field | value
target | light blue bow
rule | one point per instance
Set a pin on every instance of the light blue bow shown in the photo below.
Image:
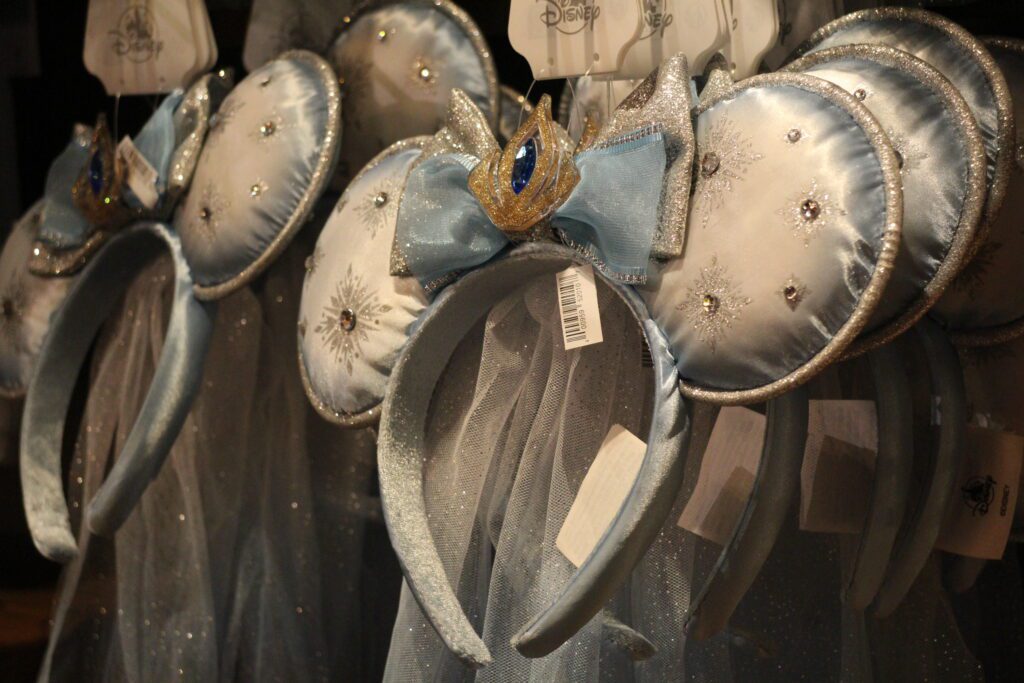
(610, 217)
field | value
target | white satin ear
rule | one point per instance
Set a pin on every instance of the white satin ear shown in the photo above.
(267, 159)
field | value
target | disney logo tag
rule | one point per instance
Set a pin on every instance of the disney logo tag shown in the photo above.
(655, 19)
(570, 16)
(135, 36)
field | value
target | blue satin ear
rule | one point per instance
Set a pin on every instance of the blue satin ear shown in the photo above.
(163, 412)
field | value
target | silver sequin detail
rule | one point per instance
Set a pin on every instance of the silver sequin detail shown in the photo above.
(712, 303)
(352, 301)
(793, 291)
(810, 212)
(734, 154)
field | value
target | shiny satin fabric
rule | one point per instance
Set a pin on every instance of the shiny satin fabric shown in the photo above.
(958, 56)
(400, 460)
(345, 371)
(27, 302)
(61, 224)
(176, 381)
(793, 228)
(267, 157)
(397, 63)
(984, 305)
(942, 167)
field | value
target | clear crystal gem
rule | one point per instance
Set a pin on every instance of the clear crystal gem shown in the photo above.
(381, 199)
(382, 35)
(860, 94)
(810, 209)
(425, 73)
(525, 162)
(710, 164)
(347, 319)
(205, 213)
(710, 303)
(791, 293)
(267, 129)
(794, 135)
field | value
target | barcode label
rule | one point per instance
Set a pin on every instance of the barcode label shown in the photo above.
(577, 303)
(141, 177)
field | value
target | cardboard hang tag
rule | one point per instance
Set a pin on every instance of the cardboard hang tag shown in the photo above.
(146, 47)
(697, 28)
(564, 38)
(839, 465)
(727, 474)
(981, 509)
(604, 489)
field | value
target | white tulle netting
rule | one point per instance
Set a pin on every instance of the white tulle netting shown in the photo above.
(257, 554)
(244, 560)
(514, 424)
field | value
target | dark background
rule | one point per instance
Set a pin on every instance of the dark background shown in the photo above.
(45, 89)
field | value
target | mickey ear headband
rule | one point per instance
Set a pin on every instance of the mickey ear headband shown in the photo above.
(469, 172)
(239, 214)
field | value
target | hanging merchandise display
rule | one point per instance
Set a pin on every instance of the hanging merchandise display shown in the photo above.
(372, 366)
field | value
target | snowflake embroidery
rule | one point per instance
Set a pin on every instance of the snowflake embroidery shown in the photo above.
(206, 219)
(810, 212)
(352, 312)
(377, 208)
(724, 156)
(712, 303)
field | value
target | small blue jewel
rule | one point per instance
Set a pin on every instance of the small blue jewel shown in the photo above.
(96, 173)
(522, 169)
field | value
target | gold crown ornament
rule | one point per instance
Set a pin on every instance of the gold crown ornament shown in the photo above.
(97, 191)
(526, 182)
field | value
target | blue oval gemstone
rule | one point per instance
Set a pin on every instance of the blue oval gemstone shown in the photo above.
(522, 169)
(96, 173)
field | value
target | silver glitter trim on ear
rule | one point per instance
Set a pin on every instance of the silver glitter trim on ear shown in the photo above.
(663, 99)
(964, 237)
(370, 416)
(193, 117)
(893, 189)
(999, 147)
(321, 174)
(1006, 332)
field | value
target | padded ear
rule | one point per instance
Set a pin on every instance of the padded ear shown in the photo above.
(958, 56)
(355, 316)
(397, 62)
(27, 302)
(984, 305)
(793, 228)
(268, 156)
(942, 166)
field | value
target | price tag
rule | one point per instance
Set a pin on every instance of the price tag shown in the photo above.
(577, 307)
(562, 38)
(141, 177)
(727, 474)
(602, 493)
(982, 506)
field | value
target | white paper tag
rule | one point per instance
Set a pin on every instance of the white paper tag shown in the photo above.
(137, 47)
(697, 28)
(981, 509)
(577, 306)
(563, 38)
(140, 175)
(727, 474)
(838, 467)
(601, 494)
